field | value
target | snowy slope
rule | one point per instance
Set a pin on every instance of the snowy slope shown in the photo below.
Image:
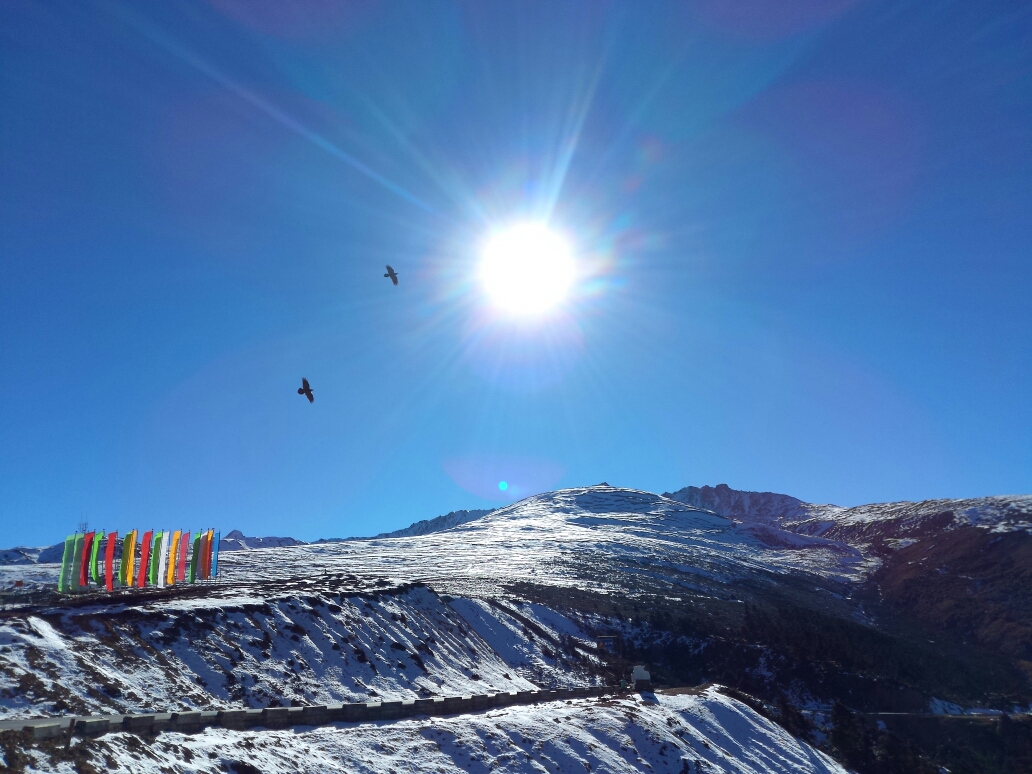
(873, 528)
(675, 734)
(591, 538)
(19, 555)
(26, 555)
(881, 526)
(217, 653)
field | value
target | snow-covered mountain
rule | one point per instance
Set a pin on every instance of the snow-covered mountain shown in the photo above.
(708, 584)
(236, 541)
(876, 528)
(25, 555)
(958, 566)
(581, 538)
(767, 507)
(19, 555)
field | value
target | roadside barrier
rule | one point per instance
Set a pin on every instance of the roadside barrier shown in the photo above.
(190, 722)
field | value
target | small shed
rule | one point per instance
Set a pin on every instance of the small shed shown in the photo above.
(641, 678)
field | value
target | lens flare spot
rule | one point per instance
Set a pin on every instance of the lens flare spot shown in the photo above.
(503, 485)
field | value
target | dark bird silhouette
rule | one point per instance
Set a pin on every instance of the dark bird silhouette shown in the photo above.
(392, 274)
(306, 390)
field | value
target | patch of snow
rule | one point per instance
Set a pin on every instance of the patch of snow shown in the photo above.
(670, 735)
(943, 707)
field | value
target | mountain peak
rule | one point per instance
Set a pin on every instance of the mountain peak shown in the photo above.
(737, 504)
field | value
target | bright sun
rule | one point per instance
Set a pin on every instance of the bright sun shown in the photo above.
(527, 269)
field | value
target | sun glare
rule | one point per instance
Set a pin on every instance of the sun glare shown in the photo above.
(527, 269)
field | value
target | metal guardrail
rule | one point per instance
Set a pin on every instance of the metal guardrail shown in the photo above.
(189, 722)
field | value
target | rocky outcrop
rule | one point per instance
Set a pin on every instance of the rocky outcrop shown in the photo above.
(767, 507)
(426, 526)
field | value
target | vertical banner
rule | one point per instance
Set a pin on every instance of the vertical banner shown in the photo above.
(155, 560)
(166, 538)
(77, 562)
(128, 558)
(194, 557)
(166, 560)
(109, 561)
(184, 548)
(65, 579)
(207, 554)
(215, 556)
(211, 550)
(173, 555)
(202, 558)
(84, 560)
(145, 549)
(95, 558)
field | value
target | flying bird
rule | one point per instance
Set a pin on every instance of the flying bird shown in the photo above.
(392, 274)
(306, 390)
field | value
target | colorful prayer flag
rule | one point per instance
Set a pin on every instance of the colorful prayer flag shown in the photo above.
(215, 556)
(65, 578)
(77, 562)
(173, 556)
(184, 548)
(145, 551)
(95, 558)
(109, 561)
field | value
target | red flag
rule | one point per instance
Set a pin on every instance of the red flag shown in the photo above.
(145, 546)
(84, 569)
(109, 561)
(184, 546)
(201, 574)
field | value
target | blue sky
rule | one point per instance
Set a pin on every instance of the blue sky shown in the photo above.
(802, 233)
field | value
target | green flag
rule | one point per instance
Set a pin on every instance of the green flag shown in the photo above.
(196, 558)
(64, 579)
(95, 558)
(77, 561)
(155, 560)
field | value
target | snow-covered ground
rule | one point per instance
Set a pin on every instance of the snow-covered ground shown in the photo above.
(573, 537)
(313, 649)
(1000, 514)
(677, 734)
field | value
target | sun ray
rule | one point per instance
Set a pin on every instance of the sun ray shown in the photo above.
(166, 42)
